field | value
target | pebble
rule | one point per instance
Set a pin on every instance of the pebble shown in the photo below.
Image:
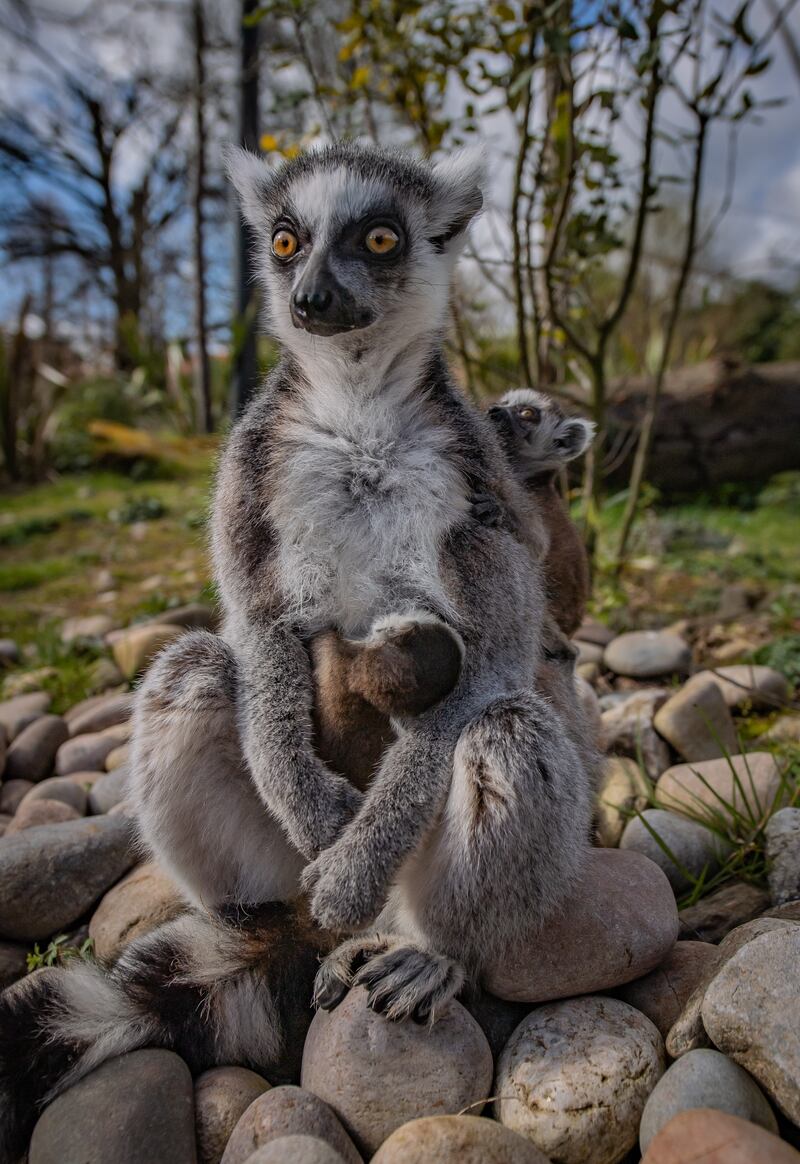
(33, 751)
(91, 629)
(575, 1076)
(136, 1109)
(751, 1011)
(118, 757)
(145, 898)
(9, 653)
(710, 788)
(704, 1078)
(136, 648)
(105, 673)
(457, 1139)
(59, 788)
(722, 910)
(13, 963)
(694, 847)
(33, 813)
(12, 793)
(783, 855)
(588, 653)
(49, 876)
(648, 655)
(697, 723)
(702, 1136)
(663, 993)
(288, 1111)
(687, 1032)
(749, 685)
(628, 730)
(100, 712)
(620, 923)
(378, 1075)
(109, 791)
(194, 616)
(295, 1150)
(785, 730)
(623, 790)
(592, 631)
(88, 752)
(221, 1096)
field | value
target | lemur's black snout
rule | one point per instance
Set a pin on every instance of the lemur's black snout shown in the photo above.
(324, 307)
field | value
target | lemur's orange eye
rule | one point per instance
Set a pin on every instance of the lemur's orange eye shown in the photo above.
(532, 414)
(284, 243)
(381, 240)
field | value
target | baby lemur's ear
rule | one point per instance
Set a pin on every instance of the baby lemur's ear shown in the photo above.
(573, 436)
(460, 180)
(252, 177)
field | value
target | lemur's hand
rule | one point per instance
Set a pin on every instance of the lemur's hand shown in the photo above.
(343, 895)
(486, 509)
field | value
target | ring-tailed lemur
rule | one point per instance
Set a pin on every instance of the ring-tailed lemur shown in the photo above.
(343, 501)
(539, 441)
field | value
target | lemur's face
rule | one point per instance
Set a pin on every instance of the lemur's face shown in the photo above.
(535, 432)
(354, 240)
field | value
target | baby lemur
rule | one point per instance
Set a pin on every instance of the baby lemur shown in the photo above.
(343, 501)
(351, 718)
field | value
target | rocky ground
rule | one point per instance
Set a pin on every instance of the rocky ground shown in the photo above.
(658, 1020)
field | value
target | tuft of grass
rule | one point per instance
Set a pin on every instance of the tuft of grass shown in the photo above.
(57, 952)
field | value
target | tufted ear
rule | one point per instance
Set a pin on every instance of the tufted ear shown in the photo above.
(573, 436)
(460, 179)
(252, 178)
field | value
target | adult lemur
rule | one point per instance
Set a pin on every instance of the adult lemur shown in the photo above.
(343, 501)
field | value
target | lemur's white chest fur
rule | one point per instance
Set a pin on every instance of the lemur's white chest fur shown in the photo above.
(366, 493)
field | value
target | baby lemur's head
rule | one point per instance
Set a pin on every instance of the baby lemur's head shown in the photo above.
(536, 435)
(357, 244)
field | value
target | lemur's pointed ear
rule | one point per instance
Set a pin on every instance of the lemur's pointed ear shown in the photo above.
(460, 180)
(252, 177)
(575, 435)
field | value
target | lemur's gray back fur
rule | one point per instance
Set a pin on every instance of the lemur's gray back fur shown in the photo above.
(343, 501)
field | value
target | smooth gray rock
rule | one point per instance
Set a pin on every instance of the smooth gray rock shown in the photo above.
(109, 791)
(87, 753)
(456, 1139)
(663, 993)
(194, 616)
(101, 712)
(49, 876)
(221, 1096)
(697, 723)
(297, 1150)
(751, 1011)
(648, 655)
(687, 1032)
(751, 685)
(9, 652)
(720, 790)
(783, 855)
(693, 846)
(575, 1076)
(17, 713)
(708, 1079)
(33, 751)
(287, 1111)
(12, 793)
(33, 814)
(722, 910)
(377, 1075)
(59, 788)
(91, 629)
(137, 1109)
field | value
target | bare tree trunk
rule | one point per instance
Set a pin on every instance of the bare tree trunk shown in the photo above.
(246, 371)
(202, 370)
(11, 400)
(646, 435)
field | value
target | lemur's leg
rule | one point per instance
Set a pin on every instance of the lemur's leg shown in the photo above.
(198, 809)
(274, 703)
(505, 853)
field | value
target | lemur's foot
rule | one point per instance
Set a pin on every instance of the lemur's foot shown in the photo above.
(486, 509)
(335, 975)
(406, 982)
(407, 664)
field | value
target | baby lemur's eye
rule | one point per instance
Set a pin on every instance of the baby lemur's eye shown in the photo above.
(381, 240)
(284, 243)
(531, 414)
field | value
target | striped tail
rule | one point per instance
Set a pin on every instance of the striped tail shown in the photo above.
(235, 990)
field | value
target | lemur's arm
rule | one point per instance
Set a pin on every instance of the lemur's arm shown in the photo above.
(275, 692)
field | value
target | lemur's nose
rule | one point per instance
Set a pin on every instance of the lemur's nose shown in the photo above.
(313, 302)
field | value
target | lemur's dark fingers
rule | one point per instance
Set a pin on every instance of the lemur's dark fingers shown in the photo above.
(336, 974)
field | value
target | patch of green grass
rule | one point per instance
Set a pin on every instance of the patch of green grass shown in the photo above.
(783, 654)
(28, 574)
(57, 952)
